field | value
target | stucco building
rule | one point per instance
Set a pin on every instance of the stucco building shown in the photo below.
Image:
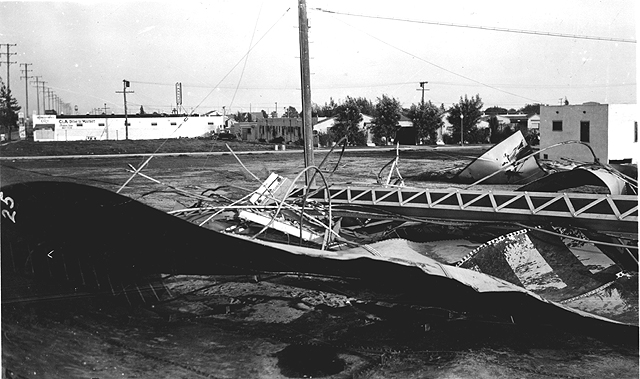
(610, 129)
(112, 127)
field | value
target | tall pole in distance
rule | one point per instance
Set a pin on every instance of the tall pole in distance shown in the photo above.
(8, 62)
(44, 105)
(125, 85)
(126, 117)
(37, 78)
(422, 89)
(461, 128)
(305, 73)
(26, 78)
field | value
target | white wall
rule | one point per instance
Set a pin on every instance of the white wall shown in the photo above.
(622, 143)
(93, 127)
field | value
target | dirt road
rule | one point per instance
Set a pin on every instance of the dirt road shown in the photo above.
(240, 327)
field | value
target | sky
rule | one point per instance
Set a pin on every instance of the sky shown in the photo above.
(243, 55)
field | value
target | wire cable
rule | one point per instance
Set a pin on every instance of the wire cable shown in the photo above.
(490, 28)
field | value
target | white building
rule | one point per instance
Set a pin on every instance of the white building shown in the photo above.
(112, 127)
(611, 130)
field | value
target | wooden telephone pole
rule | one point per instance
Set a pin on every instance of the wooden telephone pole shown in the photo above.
(125, 85)
(8, 62)
(37, 78)
(26, 78)
(305, 74)
(422, 89)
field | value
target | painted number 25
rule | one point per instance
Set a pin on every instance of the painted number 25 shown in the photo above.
(11, 215)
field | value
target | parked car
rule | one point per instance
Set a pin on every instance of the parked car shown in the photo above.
(226, 137)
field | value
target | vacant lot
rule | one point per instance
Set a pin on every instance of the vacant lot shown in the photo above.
(212, 165)
(277, 327)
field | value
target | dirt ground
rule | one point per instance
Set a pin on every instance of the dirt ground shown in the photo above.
(247, 327)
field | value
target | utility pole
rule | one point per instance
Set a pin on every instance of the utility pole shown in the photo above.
(125, 85)
(305, 75)
(461, 128)
(422, 89)
(49, 96)
(276, 109)
(26, 78)
(8, 62)
(44, 106)
(106, 121)
(37, 78)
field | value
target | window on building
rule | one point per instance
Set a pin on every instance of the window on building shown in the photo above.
(556, 126)
(584, 131)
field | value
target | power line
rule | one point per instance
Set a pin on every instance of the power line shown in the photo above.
(441, 67)
(8, 62)
(491, 28)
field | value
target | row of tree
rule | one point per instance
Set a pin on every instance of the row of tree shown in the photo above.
(426, 117)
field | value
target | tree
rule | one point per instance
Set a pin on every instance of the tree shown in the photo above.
(142, 110)
(241, 117)
(9, 109)
(365, 105)
(386, 119)
(530, 109)
(471, 109)
(291, 112)
(327, 110)
(426, 119)
(348, 119)
(264, 114)
(493, 111)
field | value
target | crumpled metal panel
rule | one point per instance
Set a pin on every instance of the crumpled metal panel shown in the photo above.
(544, 265)
(500, 155)
(59, 224)
(579, 176)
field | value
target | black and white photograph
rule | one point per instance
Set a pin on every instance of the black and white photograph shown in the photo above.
(319, 189)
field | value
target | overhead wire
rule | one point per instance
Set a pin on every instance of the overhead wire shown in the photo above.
(246, 59)
(439, 66)
(489, 28)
